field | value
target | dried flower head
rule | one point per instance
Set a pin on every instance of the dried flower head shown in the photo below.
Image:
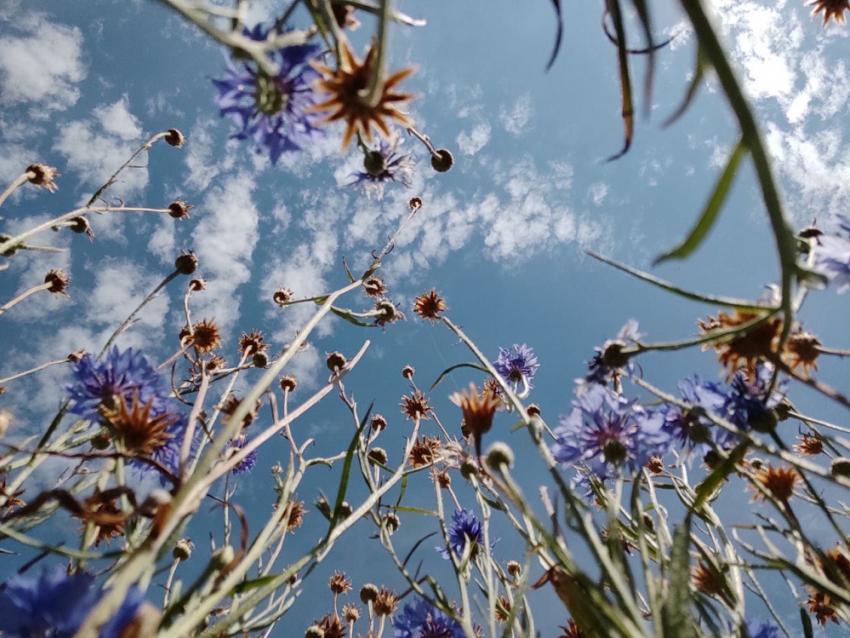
(831, 9)
(42, 176)
(296, 515)
(58, 281)
(282, 296)
(260, 360)
(571, 630)
(252, 343)
(408, 371)
(386, 312)
(348, 87)
(344, 17)
(745, 350)
(424, 451)
(102, 510)
(205, 336)
(809, 445)
(81, 225)
(216, 362)
(183, 549)
(288, 383)
(378, 423)
(351, 613)
(335, 361)
(802, 351)
(386, 603)
(11, 498)
(197, 284)
(706, 579)
(478, 411)
(141, 432)
(822, 606)
(415, 406)
(442, 161)
(514, 569)
(778, 481)
(368, 593)
(442, 477)
(229, 407)
(186, 263)
(174, 138)
(374, 287)
(429, 305)
(503, 609)
(415, 203)
(339, 584)
(378, 455)
(179, 209)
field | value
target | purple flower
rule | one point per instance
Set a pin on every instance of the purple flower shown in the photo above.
(608, 362)
(272, 110)
(517, 365)
(832, 254)
(465, 528)
(56, 604)
(421, 619)
(247, 464)
(693, 432)
(748, 405)
(120, 374)
(383, 164)
(606, 432)
(762, 629)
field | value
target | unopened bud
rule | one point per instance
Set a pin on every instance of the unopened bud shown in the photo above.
(182, 550)
(499, 455)
(368, 593)
(174, 138)
(442, 161)
(186, 263)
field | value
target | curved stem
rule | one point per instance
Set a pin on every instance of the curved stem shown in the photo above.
(23, 296)
(19, 181)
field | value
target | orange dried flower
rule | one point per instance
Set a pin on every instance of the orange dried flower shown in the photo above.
(745, 350)
(424, 451)
(831, 9)
(205, 336)
(252, 343)
(778, 481)
(802, 351)
(429, 305)
(809, 445)
(478, 411)
(140, 432)
(415, 406)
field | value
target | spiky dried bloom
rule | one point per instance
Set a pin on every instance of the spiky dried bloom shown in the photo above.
(174, 138)
(42, 176)
(339, 584)
(348, 87)
(478, 410)
(822, 606)
(282, 297)
(288, 383)
(228, 409)
(408, 371)
(831, 9)
(374, 287)
(571, 630)
(503, 609)
(442, 478)
(104, 513)
(205, 336)
(252, 343)
(809, 445)
(58, 281)
(707, 580)
(424, 451)
(331, 626)
(351, 612)
(179, 209)
(216, 362)
(335, 361)
(386, 602)
(415, 406)
(197, 284)
(186, 263)
(778, 481)
(386, 312)
(429, 305)
(141, 432)
(378, 423)
(296, 515)
(802, 351)
(743, 351)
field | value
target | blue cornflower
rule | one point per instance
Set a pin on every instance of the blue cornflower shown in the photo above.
(832, 254)
(747, 405)
(762, 629)
(247, 464)
(56, 604)
(695, 433)
(420, 619)
(272, 110)
(609, 361)
(605, 431)
(121, 374)
(384, 164)
(464, 529)
(517, 365)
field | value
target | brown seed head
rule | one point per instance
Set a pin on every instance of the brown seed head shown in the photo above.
(415, 406)
(216, 362)
(174, 138)
(778, 481)
(42, 176)
(385, 603)
(197, 284)
(387, 312)
(228, 409)
(415, 203)
(252, 343)
(408, 371)
(429, 305)
(378, 455)
(368, 593)
(706, 579)
(443, 478)
(374, 287)
(205, 336)
(743, 351)
(288, 383)
(344, 17)
(179, 209)
(831, 9)
(58, 281)
(514, 569)
(339, 584)
(571, 630)
(351, 613)
(809, 445)
(821, 605)
(140, 432)
(335, 361)
(655, 465)
(186, 263)
(424, 451)
(282, 296)
(103, 511)
(296, 515)
(378, 423)
(81, 225)
(347, 87)
(260, 360)
(802, 351)
(442, 161)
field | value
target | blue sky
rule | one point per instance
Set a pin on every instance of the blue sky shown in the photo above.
(501, 236)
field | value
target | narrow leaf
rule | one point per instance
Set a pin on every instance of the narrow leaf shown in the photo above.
(713, 481)
(676, 616)
(344, 314)
(455, 367)
(808, 632)
(346, 469)
(248, 585)
(628, 111)
(711, 211)
(558, 35)
(415, 547)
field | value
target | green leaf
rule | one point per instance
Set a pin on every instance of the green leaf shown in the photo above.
(346, 469)
(714, 480)
(693, 87)
(417, 510)
(248, 585)
(676, 617)
(808, 632)
(455, 367)
(628, 112)
(712, 208)
(346, 314)
(348, 272)
(415, 547)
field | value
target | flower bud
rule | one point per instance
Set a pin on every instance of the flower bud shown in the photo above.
(179, 209)
(468, 470)
(314, 631)
(182, 550)
(80, 225)
(840, 467)
(392, 521)
(260, 360)
(288, 383)
(378, 455)
(368, 593)
(442, 161)
(499, 455)
(514, 569)
(336, 361)
(42, 176)
(186, 263)
(174, 138)
(415, 203)
(407, 372)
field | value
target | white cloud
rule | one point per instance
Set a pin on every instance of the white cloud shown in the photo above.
(42, 65)
(597, 193)
(224, 240)
(97, 147)
(162, 240)
(473, 141)
(201, 158)
(516, 118)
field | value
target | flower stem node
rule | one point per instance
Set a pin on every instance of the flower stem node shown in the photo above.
(174, 138)
(336, 361)
(840, 467)
(442, 161)
(186, 263)
(368, 593)
(182, 550)
(499, 454)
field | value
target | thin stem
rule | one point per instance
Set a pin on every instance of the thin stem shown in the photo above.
(144, 147)
(19, 181)
(34, 370)
(376, 84)
(24, 295)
